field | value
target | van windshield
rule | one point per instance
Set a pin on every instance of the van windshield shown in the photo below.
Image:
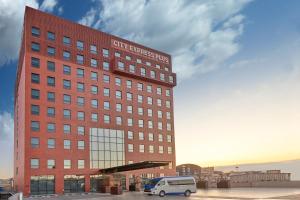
(154, 181)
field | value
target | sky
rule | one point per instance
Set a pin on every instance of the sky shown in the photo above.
(237, 63)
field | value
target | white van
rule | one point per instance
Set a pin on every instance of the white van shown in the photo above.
(171, 185)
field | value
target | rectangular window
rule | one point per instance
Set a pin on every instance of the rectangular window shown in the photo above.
(150, 112)
(35, 31)
(80, 130)
(129, 96)
(171, 80)
(51, 112)
(80, 115)
(161, 149)
(143, 71)
(51, 81)
(67, 164)
(35, 62)
(140, 99)
(128, 83)
(35, 46)
(106, 78)
(35, 94)
(80, 101)
(106, 92)
(160, 137)
(80, 73)
(67, 99)
(80, 144)
(94, 103)
(118, 94)
(129, 122)
(51, 66)
(66, 55)
(67, 70)
(130, 135)
(94, 62)
(148, 63)
(158, 91)
(67, 114)
(121, 65)
(35, 142)
(162, 77)
(35, 109)
(105, 52)
(79, 45)
(34, 163)
(149, 100)
(67, 41)
(128, 58)
(150, 124)
(117, 54)
(51, 51)
(131, 68)
(106, 105)
(141, 136)
(67, 128)
(94, 76)
(129, 109)
(35, 78)
(141, 123)
(51, 143)
(80, 59)
(119, 120)
(94, 117)
(138, 60)
(93, 49)
(67, 144)
(167, 93)
(119, 107)
(106, 119)
(151, 149)
(140, 111)
(50, 127)
(50, 164)
(142, 148)
(80, 87)
(169, 138)
(149, 88)
(130, 147)
(80, 164)
(158, 102)
(169, 150)
(150, 137)
(50, 36)
(118, 81)
(140, 86)
(51, 96)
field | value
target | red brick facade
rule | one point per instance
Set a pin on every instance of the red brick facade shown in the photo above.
(26, 147)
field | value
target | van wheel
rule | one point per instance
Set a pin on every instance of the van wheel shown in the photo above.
(162, 193)
(187, 193)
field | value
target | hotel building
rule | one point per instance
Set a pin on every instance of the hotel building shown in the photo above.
(85, 101)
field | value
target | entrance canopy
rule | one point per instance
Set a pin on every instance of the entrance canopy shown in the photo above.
(133, 166)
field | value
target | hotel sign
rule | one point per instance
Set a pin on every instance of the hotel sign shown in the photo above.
(139, 51)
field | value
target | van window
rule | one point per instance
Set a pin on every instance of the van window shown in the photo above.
(162, 182)
(181, 182)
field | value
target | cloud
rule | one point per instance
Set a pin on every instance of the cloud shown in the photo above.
(48, 5)
(200, 35)
(11, 22)
(6, 126)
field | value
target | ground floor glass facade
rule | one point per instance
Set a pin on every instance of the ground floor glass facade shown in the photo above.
(74, 184)
(42, 185)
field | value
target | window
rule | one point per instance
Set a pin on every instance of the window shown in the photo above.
(106, 105)
(50, 36)
(106, 92)
(67, 128)
(130, 147)
(79, 45)
(80, 115)
(34, 163)
(159, 114)
(80, 164)
(35, 46)
(94, 117)
(141, 123)
(35, 94)
(67, 99)
(106, 119)
(128, 84)
(169, 127)
(130, 135)
(140, 99)
(149, 100)
(131, 68)
(66, 40)
(80, 130)
(35, 142)
(80, 87)
(118, 94)
(105, 66)
(119, 120)
(50, 127)
(140, 111)
(143, 71)
(35, 62)
(166, 69)
(157, 66)
(118, 81)
(138, 60)
(51, 143)
(128, 58)
(35, 31)
(67, 114)
(169, 150)
(167, 93)
(160, 137)
(51, 66)
(35, 78)
(129, 122)
(67, 70)
(148, 63)
(80, 101)
(117, 54)
(67, 144)
(121, 65)
(142, 148)
(168, 104)
(169, 138)
(51, 96)
(171, 80)
(168, 115)
(93, 49)
(50, 112)
(162, 76)
(105, 52)
(150, 124)
(51, 81)
(158, 91)
(158, 102)
(94, 76)
(94, 62)
(140, 86)
(119, 107)
(50, 164)
(150, 137)
(80, 144)
(67, 84)
(129, 109)
(79, 59)
(66, 55)
(67, 164)
(161, 149)
(35, 125)
(80, 73)
(105, 78)
(151, 149)
(94, 103)
(129, 96)
(35, 109)
(141, 136)
(152, 74)
(51, 51)
(149, 88)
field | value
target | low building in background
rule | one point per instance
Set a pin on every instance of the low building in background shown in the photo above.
(189, 170)
(259, 176)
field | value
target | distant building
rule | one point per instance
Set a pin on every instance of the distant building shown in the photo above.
(189, 170)
(259, 176)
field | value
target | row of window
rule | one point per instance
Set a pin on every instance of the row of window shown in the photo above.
(35, 164)
(141, 149)
(35, 31)
(51, 143)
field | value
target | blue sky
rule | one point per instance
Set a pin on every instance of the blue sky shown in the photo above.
(238, 63)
